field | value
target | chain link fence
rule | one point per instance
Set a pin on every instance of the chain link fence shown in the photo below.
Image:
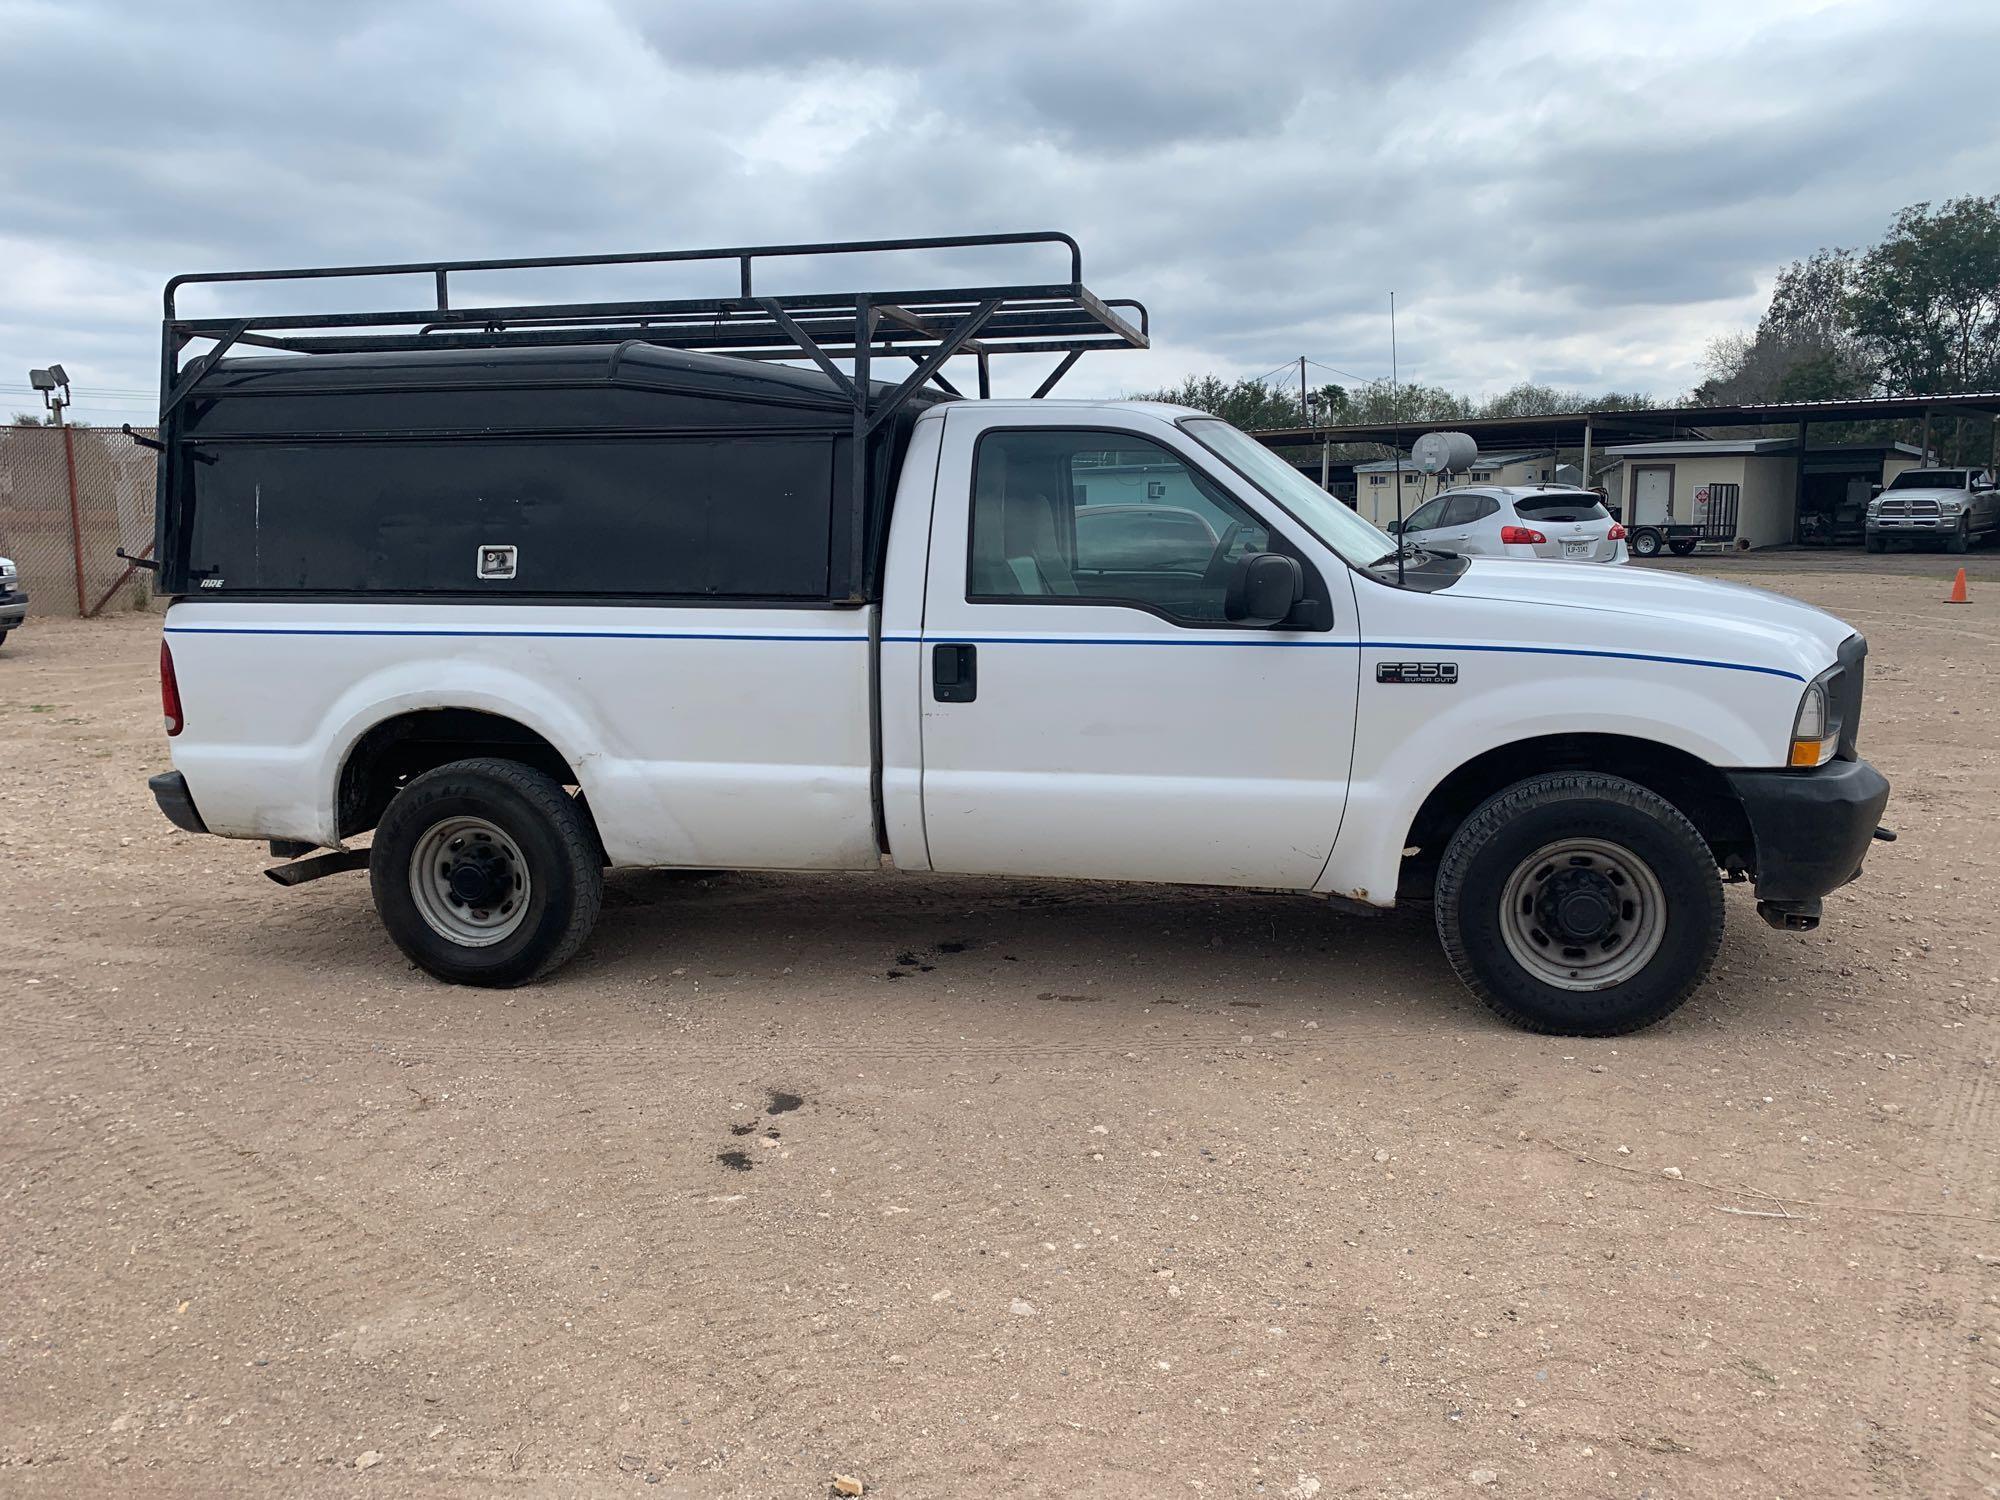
(70, 497)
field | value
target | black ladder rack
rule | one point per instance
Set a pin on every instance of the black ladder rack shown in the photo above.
(926, 325)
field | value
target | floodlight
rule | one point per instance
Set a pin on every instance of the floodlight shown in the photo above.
(60, 375)
(42, 380)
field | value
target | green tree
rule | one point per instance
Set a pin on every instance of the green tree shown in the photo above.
(1530, 400)
(1804, 348)
(1926, 300)
(1248, 404)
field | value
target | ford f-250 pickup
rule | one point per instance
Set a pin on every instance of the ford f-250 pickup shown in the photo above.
(530, 592)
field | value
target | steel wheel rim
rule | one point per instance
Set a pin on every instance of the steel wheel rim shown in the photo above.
(1563, 879)
(470, 882)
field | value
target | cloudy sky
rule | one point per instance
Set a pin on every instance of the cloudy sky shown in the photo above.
(1577, 193)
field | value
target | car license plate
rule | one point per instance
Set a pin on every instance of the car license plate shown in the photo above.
(1576, 549)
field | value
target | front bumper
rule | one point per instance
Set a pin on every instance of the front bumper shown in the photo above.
(170, 790)
(1914, 527)
(1811, 828)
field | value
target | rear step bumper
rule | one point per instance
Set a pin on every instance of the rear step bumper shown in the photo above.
(170, 790)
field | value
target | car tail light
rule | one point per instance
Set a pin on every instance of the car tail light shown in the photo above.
(1615, 534)
(1520, 535)
(170, 691)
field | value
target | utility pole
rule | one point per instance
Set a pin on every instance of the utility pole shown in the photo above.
(1305, 414)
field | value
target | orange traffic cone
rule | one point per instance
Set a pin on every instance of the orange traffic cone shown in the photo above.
(1957, 594)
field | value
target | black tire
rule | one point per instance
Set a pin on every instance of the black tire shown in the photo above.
(1645, 542)
(1872, 544)
(1498, 842)
(1680, 549)
(3, 635)
(1961, 539)
(558, 848)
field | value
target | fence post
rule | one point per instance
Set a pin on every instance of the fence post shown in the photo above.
(75, 521)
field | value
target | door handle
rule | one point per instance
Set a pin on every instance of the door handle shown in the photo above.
(954, 673)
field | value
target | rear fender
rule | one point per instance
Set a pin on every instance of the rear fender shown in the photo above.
(409, 687)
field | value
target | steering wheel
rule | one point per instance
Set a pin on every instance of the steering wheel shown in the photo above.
(1217, 567)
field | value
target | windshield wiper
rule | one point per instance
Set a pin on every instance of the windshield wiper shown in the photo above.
(1411, 550)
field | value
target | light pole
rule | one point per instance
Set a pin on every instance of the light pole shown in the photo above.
(48, 382)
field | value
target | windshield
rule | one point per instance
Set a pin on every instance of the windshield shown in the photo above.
(1930, 479)
(1358, 542)
(1579, 507)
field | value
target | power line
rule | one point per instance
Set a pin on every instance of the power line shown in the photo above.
(1345, 374)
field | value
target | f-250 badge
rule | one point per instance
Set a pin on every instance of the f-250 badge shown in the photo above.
(1440, 673)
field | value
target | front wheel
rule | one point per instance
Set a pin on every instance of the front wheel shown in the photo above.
(486, 872)
(1580, 904)
(1961, 539)
(1872, 544)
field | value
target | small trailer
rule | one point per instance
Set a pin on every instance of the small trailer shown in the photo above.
(1655, 526)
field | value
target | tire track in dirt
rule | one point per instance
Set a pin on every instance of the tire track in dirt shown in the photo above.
(1937, 1372)
(331, 1265)
(762, 1051)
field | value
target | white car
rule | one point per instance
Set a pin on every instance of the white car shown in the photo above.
(1524, 521)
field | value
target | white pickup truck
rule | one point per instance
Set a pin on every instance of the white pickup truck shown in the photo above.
(527, 607)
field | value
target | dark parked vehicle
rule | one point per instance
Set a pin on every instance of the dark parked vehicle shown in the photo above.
(13, 603)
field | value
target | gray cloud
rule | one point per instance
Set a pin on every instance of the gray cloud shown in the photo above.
(1579, 195)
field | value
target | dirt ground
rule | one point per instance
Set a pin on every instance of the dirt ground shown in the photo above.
(964, 1188)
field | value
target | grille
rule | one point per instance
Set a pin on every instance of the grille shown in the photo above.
(1909, 508)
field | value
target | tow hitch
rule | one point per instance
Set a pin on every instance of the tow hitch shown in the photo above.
(1791, 916)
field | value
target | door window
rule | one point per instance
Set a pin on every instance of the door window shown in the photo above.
(1091, 516)
(1427, 515)
(1463, 510)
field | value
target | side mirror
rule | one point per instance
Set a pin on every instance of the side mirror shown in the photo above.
(1263, 587)
(1874, 489)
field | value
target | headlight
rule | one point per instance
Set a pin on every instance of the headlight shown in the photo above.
(1816, 728)
(1875, 505)
(1950, 507)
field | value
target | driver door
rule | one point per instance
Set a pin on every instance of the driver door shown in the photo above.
(1088, 710)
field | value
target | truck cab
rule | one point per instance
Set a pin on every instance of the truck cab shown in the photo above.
(489, 618)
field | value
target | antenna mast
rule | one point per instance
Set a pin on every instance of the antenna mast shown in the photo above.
(1395, 414)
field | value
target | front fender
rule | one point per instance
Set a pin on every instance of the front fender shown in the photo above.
(1410, 738)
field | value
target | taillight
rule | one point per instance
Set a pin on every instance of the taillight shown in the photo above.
(1615, 534)
(1520, 535)
(170, 691)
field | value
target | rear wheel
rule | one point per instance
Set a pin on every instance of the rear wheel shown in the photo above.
(486, 872)
(1579, 904)
(1645, 542)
